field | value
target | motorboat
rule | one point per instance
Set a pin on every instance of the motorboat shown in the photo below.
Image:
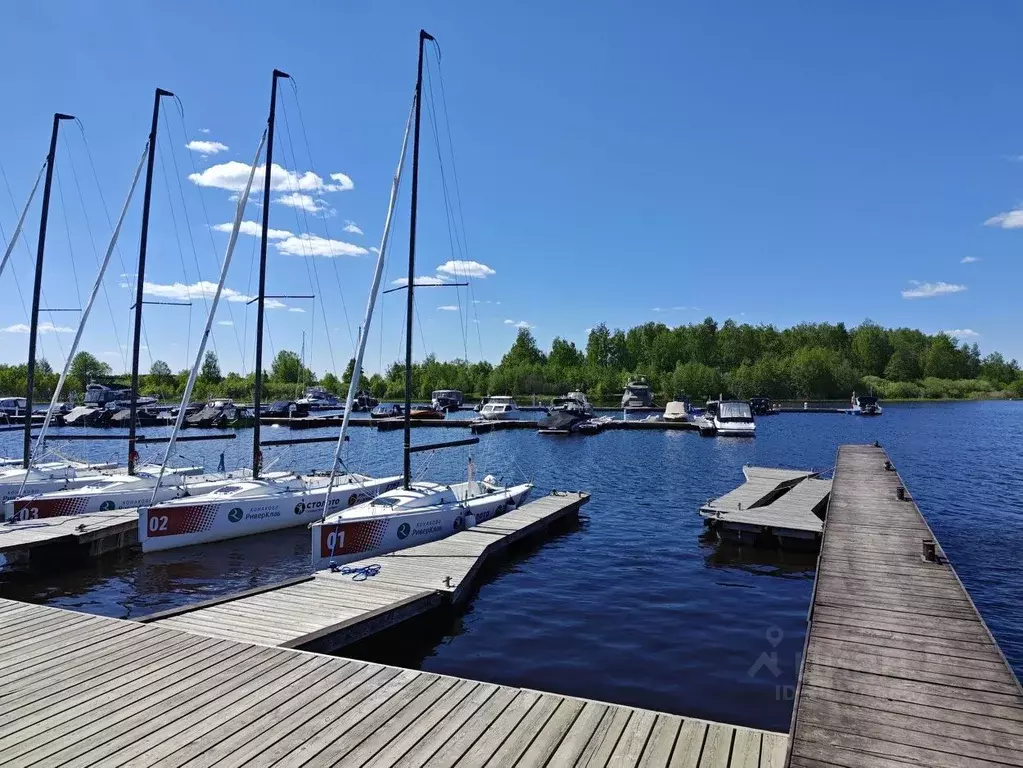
(573, 402)
(762, 406)
(678, 410)
(115, 490)
(423, 412)
(387, 411)
(319, 399)
(218, 412)
(865, 405)
(499, 408)
(12, 407)
(284, 409)
(364, 401)
(637, 395)
(734, 419)
(447, 399)
(409, 516)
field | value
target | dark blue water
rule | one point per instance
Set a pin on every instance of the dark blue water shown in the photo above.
(634, 605)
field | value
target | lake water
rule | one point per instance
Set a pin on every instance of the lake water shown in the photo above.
(633, 605)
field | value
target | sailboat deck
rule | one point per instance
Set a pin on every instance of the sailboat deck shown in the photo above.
(144, 694)
(328, 611)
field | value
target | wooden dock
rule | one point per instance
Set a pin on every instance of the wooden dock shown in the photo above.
(128, 693)
(328, 611)
(899, 668)
(795, 518)
(29, 542)
(763, 485)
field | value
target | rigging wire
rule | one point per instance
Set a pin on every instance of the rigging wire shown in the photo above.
(14, 272)
(205, 214)
(95, 253)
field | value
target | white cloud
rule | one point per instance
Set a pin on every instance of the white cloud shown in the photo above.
(927, 290)
(509, 322)
(204, 130)
(962, 333)
(305, 202)
(968, 260)
(1008, 220)
(206, 148)
(233, 175)
(375, 250)
(352, 227)
(421, 280)
(314, 245)
(224, 322)
(344, 182)
(46, 327)
(524, 324)
(296, 309)
(201, 289)
(657, 309)
(255, 229)
(466, 269)
(448, 308)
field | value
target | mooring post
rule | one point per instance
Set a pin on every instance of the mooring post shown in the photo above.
(888, 466)
(900, 493)
(930, 551)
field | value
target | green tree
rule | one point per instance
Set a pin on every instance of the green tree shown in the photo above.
(902, 366)
(598, 346)
(331, 383)
(210, 372)
(287, 368)
(565, 355)
(84, 368)
(943, 360)
(871, 348)
(696, 380)
(524, 351)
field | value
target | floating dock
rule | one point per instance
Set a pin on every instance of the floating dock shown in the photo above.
(769, 510)
(898, 668)
(27, 543)
(144, 694)
(328, 611)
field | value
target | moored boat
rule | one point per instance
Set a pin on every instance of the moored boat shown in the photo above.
(678, 410)
(865, 405)
(637, 395)
(733, 418)
(499, 408)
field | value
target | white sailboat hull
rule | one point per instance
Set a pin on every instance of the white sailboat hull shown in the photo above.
(350, 536)
(204, 519)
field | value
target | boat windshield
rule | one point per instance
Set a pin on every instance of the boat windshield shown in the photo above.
(866, 401)
(735, 412)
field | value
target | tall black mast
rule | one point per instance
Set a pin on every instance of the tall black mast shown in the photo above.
(143, 240)
(257, 389)
(409, 307)
(38, 285)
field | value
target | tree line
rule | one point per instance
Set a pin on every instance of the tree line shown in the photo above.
(806, 361)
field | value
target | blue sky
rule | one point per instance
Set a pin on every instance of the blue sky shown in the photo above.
(620, 164)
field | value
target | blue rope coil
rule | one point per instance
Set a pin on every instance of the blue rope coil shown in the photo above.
(357, 574)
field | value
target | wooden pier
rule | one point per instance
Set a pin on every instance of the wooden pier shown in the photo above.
(899, 668)
(128, 693)
(25, 543)
(759, 515)
(328, 611)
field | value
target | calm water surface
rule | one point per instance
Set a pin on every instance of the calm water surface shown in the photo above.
(633, 605)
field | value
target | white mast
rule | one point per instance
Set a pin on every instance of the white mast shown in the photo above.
(239, 214)
(21, 221)
(88, 307)
(353, 387)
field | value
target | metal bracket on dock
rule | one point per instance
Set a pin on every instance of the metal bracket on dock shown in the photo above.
(930, 550)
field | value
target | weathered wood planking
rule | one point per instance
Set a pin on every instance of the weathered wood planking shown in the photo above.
(899, 668)
(128, 693)
(101, 532)
(329, 611)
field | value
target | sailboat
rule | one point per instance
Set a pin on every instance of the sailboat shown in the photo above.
(418, 512)
(113, 488)
(254, 504)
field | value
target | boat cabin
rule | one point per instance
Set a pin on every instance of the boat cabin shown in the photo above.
(447, 399)
(735, 411)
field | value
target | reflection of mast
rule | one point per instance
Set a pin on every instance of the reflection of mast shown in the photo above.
(143, 242)
(38, 285)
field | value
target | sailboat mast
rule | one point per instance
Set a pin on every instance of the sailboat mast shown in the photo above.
(409, 305)
(261, 300)
(143, 242)
(38, 285)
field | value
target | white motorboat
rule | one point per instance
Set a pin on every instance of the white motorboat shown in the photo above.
(499, 408)
(677, 410)
(637, 395)
(409, 516)
(734, 418)
(865, 405)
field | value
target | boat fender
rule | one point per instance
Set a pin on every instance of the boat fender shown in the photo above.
(470, 520)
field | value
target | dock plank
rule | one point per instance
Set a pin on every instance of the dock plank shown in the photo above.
(899, 667)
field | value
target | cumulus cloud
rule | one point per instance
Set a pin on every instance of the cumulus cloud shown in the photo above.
(968, 260)
(519, 324)
(460, 268)
(448, 308)
(46, 327)
(421, 280)
(920, 290)
(201, 289)
(314, 245)
(232, 176)
(305, 202)
(1007, 220)
(255, 229)
(206, 148)
(962, 333)
(352, 228)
